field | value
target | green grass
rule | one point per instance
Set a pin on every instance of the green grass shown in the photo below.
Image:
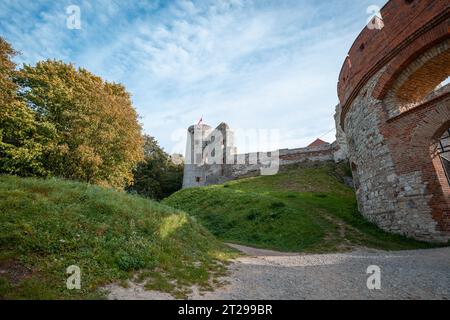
(303, 209)
(48, 225)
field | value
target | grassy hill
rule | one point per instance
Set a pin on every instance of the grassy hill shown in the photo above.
(303, 209)
(48, 225)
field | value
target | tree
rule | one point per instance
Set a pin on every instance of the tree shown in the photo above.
(157, 176)
(7, 67)
(24, 140)
(98, 136)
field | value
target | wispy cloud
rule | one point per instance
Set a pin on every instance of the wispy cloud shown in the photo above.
(253, 64)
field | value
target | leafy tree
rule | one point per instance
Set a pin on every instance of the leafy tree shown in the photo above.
(98, 136)
(157, 176)
(7, 67)
(24, 140)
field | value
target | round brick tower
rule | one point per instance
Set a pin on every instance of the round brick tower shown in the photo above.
(396, 119)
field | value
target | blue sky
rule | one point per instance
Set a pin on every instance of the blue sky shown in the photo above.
(255, 64)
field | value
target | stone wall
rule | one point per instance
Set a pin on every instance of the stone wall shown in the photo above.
(391, 191)
(234, 166)
(393, 119)
(285, 156)
(341, 147)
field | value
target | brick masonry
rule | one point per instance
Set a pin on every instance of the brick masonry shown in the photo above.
(388, 124)
(393, 119)
(410, 27)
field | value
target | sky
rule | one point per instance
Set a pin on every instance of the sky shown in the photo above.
(264, 67)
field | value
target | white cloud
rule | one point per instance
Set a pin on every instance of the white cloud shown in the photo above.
(253, 64)
(248, 69)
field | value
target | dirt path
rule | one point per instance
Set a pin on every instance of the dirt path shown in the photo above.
(255, 252)
(265, 274)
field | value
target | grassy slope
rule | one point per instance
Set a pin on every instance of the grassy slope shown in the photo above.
(305, 209)
(48, 225)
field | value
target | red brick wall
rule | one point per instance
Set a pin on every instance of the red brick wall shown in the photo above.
(412, 139)
(409, 29)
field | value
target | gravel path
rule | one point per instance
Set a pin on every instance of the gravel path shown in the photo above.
(263, 274)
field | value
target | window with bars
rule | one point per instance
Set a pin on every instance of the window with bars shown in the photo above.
(444, 153)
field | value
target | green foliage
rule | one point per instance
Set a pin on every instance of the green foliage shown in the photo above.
(66, 122)
(303, 209)
(48, 225)
(7, 67)
(157, 176)
(23, 140)
(98, 136)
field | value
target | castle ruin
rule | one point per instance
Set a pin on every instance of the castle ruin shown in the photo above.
(212, 158)
(392, 123)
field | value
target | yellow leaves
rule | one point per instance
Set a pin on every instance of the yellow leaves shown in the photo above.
(66, 121)
(99, 136)
(7, 86)
(88, 157)
(62, 149)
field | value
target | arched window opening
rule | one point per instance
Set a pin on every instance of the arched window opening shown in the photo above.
(422, 78)
(420, 81)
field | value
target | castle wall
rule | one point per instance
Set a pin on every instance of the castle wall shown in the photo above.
(341, 147)
(393, 168)
(423, 22)
(193, 176)
(393, 125)
(253, 164)
(286, 157)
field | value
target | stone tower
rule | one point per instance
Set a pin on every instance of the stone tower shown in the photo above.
(209, 155)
